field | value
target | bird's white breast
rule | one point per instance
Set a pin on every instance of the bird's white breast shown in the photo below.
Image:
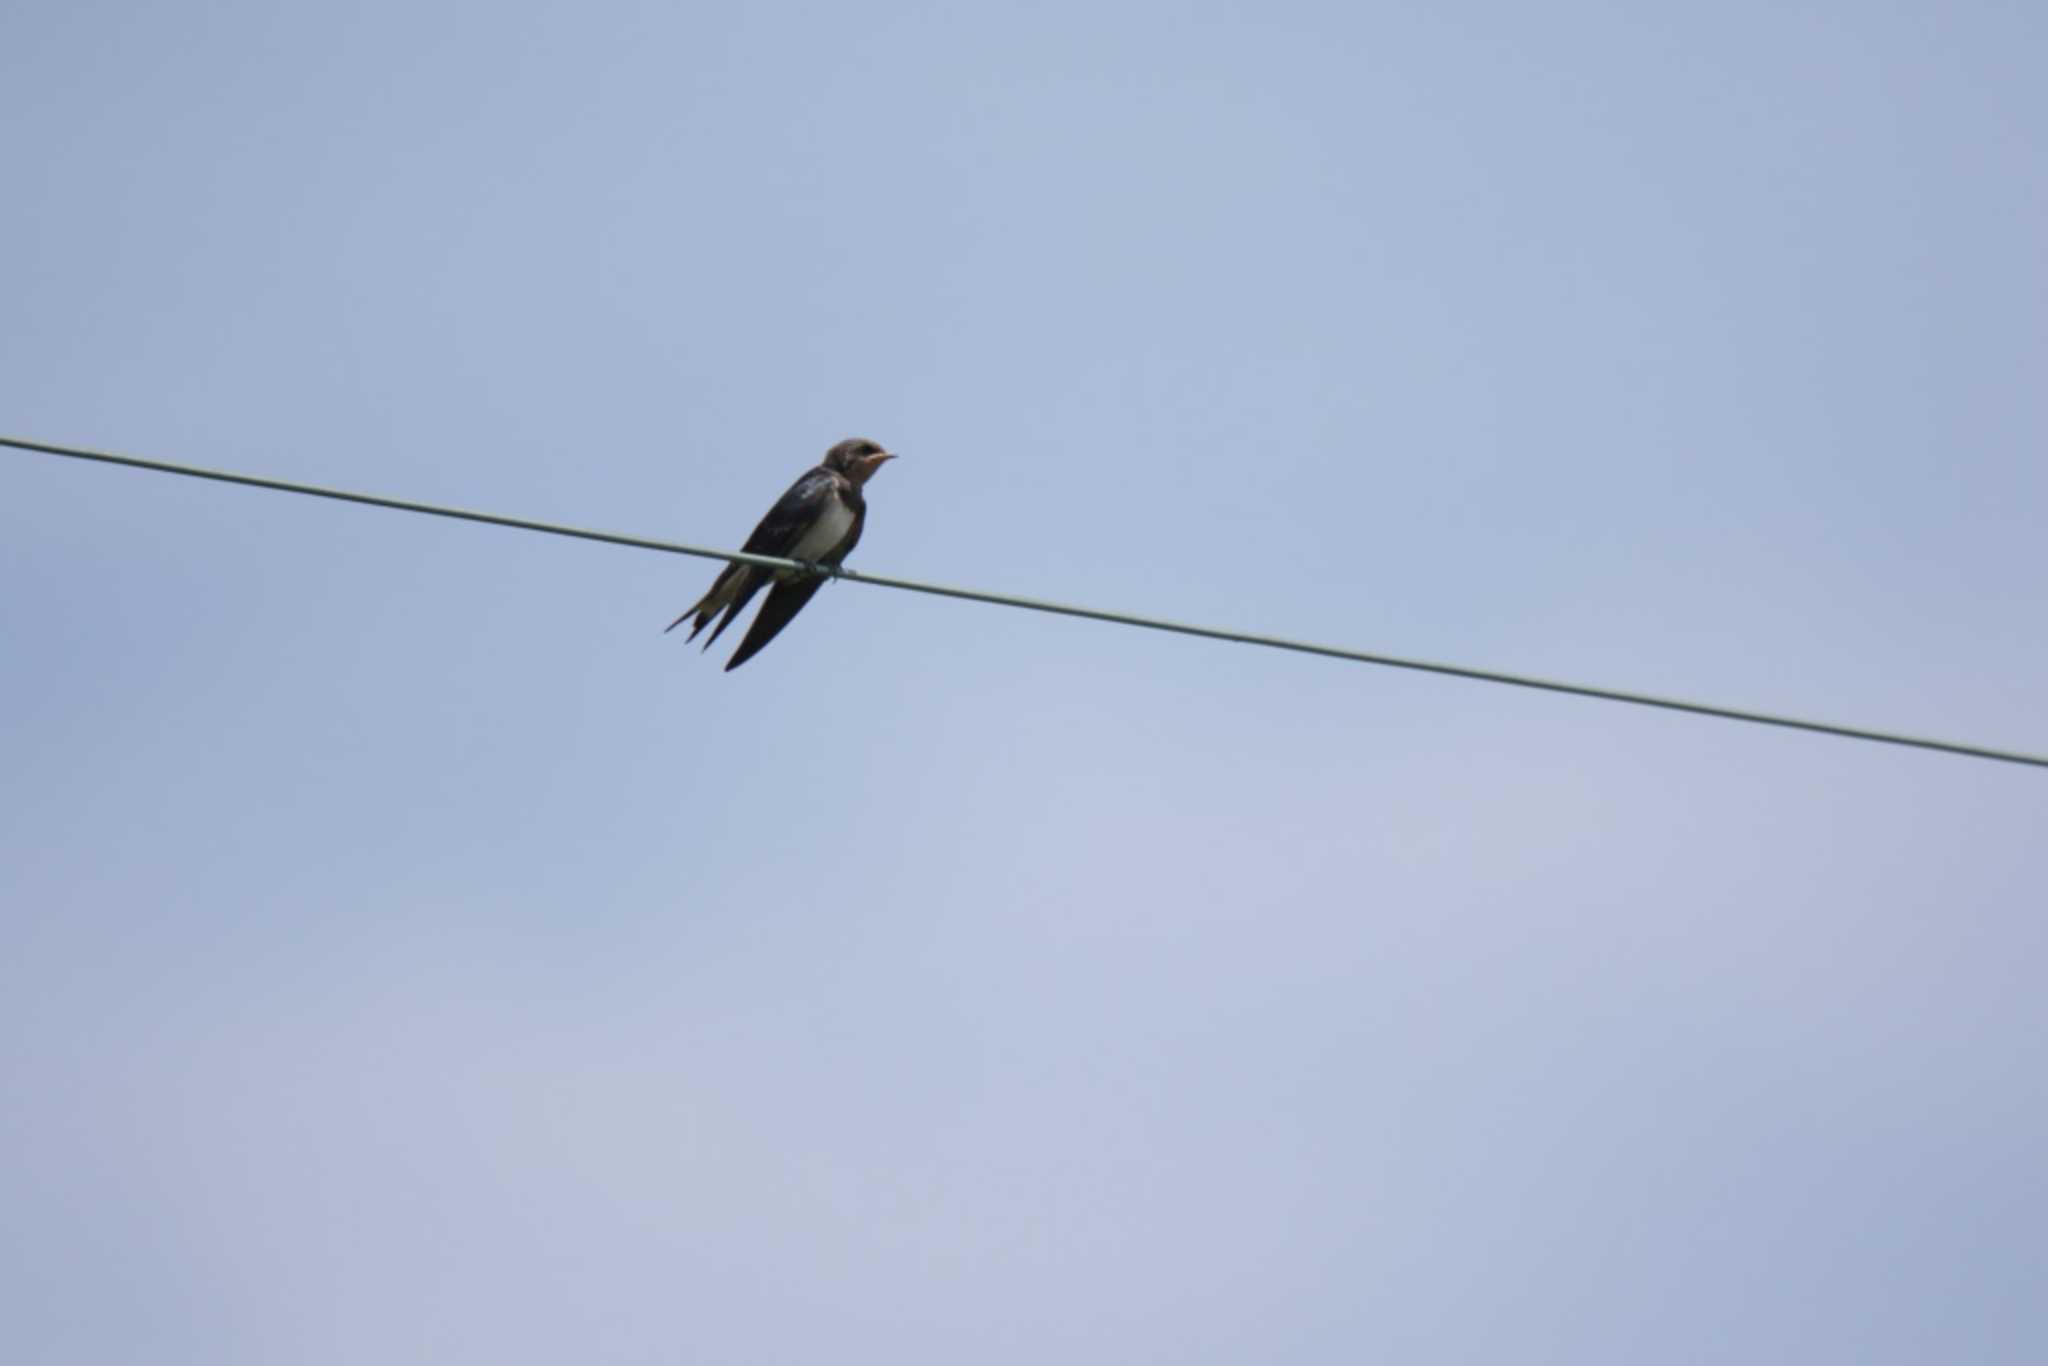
(828, 531)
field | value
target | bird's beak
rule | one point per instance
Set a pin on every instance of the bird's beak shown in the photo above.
(874, 462)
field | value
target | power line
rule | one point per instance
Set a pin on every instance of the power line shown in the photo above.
(1041, 605)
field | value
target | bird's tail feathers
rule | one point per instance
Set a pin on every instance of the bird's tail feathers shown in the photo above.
(730, 612)
(734, 581)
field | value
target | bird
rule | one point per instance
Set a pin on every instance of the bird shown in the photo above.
(818, 521)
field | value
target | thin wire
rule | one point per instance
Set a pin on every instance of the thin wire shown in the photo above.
(1056, 608)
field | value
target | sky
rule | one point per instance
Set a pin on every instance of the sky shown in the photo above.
(410, 954)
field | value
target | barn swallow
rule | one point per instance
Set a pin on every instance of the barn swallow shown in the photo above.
(818, 522)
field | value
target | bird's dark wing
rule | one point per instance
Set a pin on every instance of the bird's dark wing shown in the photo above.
(777, 533)
(784, 601)
(792, 514)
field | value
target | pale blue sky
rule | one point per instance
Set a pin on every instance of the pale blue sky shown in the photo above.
(412, 955)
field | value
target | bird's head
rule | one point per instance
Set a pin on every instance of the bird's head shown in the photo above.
(857, 458)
